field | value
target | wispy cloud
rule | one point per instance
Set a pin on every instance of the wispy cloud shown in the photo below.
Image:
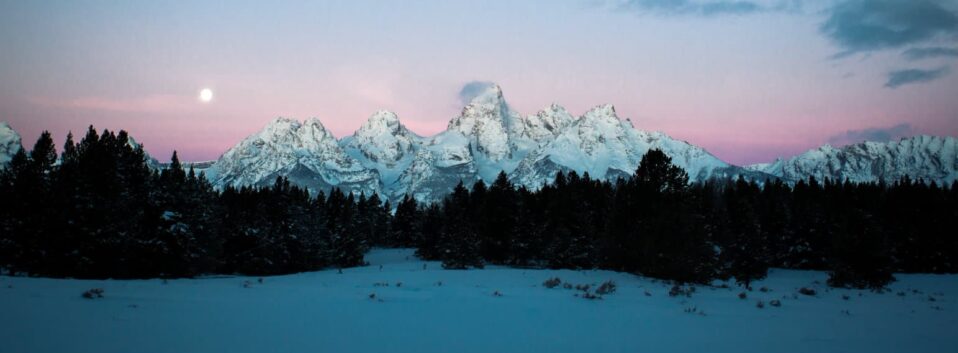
(868, 25)
(900, 78)
(690, 7)
(878, 134)
(930, 52)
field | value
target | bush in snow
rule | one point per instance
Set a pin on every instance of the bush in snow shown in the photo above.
(591, 296)
(806, 291)
(93, 293)
(775, 302)
(607, 287)
(760, 304)
(742, 295)
(552, 282)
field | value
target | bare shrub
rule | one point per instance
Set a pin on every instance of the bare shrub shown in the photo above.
(552, 282)
(607, 287)
(93, 293)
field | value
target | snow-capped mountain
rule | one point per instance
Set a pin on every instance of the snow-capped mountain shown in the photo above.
(383, 144)
(486, 138)
(306, 153)
(489, 137)
(607, 147)
(928, 157)
(9, 143)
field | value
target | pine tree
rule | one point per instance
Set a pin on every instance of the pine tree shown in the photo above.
(459, 242)
(497, 220)
(405, 224)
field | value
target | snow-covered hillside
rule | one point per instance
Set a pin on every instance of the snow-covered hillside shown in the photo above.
(929, 157)
(9, 143)
(486, 138)
(411, 306)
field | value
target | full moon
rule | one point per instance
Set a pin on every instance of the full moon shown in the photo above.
(206, 95)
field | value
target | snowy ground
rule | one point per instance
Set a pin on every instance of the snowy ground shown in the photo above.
(435, 310)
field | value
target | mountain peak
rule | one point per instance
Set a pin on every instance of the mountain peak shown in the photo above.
(604, 110)
(382, 120)
(491, 94)
(9, 142)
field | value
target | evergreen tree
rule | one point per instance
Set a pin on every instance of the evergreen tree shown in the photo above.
(459, 241)
(405, 224)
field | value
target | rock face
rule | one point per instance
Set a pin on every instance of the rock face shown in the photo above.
(486, 138)
(927, 157)
(9, 143)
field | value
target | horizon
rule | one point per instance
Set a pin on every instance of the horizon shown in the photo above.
(750, 83)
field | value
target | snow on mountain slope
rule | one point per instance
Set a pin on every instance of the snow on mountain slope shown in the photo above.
(383, 144)
(438, 310)
(306, 153)
(9, 143)
(928, 157)
(607, 147)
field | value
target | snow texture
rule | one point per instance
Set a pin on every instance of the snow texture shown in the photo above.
(414, 306)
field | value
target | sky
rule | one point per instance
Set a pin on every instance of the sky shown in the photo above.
(749, 80)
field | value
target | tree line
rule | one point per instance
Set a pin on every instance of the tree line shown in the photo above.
(100, 211)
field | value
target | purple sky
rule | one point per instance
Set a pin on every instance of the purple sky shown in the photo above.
(749, 81)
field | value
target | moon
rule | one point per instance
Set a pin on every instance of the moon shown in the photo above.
(206, 95)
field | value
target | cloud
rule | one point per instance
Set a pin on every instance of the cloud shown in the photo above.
(872, 134)
(900, 78)
(930, 52)
(689, 7)
(473, 89)
(869, 25)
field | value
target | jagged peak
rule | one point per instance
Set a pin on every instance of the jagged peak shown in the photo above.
(552, 109)
(381, 121)
(602, 110)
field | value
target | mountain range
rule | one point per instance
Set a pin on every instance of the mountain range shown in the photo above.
(489, 137)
